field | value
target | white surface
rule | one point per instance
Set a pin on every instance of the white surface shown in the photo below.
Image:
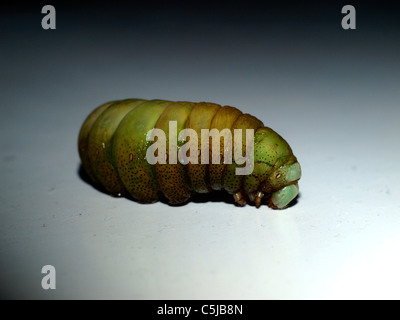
(334, 98)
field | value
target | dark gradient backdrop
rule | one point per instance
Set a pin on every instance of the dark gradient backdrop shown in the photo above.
(332, 93)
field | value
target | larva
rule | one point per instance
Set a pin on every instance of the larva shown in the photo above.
(114, 147)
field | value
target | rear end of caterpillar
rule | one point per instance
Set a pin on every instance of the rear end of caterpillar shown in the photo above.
(116, 139)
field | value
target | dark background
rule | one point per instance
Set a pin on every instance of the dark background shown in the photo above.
(333, 94)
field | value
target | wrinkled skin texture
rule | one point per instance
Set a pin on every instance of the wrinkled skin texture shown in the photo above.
(112, 147)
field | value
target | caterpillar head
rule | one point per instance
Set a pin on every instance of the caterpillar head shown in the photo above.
(283, 185)
(276, 171)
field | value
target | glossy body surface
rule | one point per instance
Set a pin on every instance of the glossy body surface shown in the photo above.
(112, 145)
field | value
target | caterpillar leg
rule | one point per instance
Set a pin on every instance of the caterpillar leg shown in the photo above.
(240, 200)
(258, 199)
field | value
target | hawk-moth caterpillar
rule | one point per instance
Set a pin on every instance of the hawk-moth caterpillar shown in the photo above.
(112, 146)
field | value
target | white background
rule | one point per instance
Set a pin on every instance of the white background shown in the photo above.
(332, 94)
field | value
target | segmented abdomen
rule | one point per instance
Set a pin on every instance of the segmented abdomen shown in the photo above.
(112, 147)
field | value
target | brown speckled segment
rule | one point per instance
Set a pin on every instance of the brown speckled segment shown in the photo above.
(223, 119)
(99, 144)
(231, 181)
(200, 118)
(83, 138)
(173, 179)
(135, 172)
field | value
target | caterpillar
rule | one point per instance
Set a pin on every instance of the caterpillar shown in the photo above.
(115, 145)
